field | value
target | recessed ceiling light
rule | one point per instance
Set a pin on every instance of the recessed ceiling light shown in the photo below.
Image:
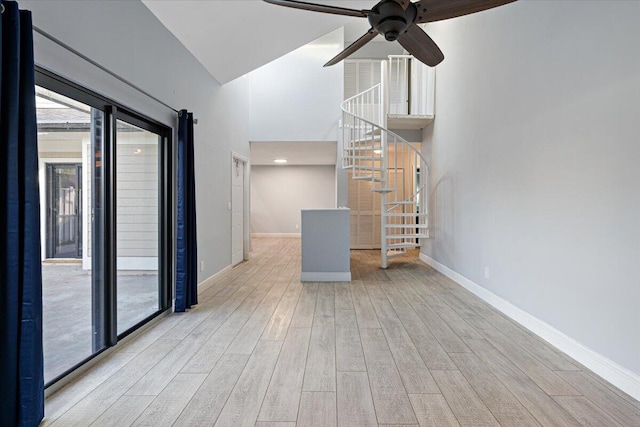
(279, 160)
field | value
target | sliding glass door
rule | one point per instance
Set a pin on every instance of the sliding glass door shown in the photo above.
(137, 212)
(67, 143)
(106, 198)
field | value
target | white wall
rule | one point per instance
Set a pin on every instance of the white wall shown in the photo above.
(126, 38)
(534, 154)
(295, 98)
(278, 193)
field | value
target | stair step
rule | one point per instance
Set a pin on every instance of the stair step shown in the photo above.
(383, 190)
(400, 203)
(395, 254)
(363, 151)
(405, 215)
(366, 127)
(403, 245)
(370, 158)
(367, 178)
(407, 236)
(366, 139)
(406, 226)
(368, 168)
(373, 148)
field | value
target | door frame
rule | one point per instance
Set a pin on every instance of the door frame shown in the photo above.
(43, 163)
(51, 229)
(246, 242)
(103, 261)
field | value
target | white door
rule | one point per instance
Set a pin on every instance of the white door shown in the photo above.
(237, 211)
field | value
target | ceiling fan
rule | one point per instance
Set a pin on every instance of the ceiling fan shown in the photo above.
(397, 19)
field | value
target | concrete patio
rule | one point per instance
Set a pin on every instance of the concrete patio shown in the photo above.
(67, 311)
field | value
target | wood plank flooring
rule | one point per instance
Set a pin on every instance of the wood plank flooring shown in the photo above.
(402, 346)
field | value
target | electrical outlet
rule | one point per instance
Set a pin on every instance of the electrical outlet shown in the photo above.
(297, 226)
(229, 206)
(486, 272)
(201, 265)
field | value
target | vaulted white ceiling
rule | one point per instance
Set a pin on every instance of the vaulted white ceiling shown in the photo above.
(232, 37)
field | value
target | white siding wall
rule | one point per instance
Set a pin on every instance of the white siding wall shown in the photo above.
(137, 202)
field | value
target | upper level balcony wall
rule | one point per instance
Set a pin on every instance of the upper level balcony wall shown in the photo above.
(411, 88)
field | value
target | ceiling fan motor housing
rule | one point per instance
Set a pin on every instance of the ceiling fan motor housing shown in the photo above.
(390, 19)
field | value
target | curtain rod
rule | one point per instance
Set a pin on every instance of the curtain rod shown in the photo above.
(94, 63)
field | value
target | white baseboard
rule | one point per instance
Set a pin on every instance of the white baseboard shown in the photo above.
(293, 235)
(617, 375)
(206, 283)
(324, 276)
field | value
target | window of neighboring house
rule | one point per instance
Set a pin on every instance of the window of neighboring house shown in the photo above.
(106, 221)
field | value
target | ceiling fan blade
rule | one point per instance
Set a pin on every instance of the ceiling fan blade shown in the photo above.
(420, 45)
(319, 8)
(437, 10)
(366, 38)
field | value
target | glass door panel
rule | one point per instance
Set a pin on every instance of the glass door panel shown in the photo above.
(106, 217)
(69, 146)
(137, 224)
(64, 222)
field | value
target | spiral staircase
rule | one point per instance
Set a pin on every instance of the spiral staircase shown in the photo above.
(396, 169)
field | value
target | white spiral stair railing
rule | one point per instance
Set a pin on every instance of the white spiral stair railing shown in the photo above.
(396, 169)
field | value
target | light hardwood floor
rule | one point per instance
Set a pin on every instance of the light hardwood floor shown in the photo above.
(402, 346)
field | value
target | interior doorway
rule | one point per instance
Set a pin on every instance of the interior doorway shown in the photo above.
(239, 209)
(64, 210)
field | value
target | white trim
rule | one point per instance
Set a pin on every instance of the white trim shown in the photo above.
(325, 276)
(246, 186)
(619, 376)
(292, 235)
(204, 285)
(243, 159)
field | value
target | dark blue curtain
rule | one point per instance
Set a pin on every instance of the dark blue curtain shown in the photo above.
(21, 364)
(187, 247)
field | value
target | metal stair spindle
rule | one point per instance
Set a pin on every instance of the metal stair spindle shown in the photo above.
(384, 102)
